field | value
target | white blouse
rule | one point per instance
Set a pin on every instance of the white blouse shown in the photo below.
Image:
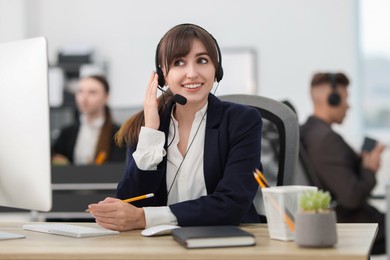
(87, 139)
(188, 169)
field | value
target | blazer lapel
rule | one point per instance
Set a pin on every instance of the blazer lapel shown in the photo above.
(211, 165)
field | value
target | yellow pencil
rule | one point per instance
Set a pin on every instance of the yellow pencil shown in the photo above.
(261, 176)
(288, 217)
(149, 195)
(100, 158)
(258, 180)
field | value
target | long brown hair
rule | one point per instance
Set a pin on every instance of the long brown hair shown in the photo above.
(105, 138)
(176, 43)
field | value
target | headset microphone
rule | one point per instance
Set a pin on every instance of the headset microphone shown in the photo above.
(181, 100)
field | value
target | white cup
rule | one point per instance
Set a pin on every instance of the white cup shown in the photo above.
(281, 205)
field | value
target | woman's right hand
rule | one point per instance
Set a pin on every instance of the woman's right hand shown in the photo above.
(117, 215)
(152, 119)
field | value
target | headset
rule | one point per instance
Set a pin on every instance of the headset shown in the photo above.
(334, 98)
(218, 72)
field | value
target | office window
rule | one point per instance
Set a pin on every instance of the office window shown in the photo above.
(375, 66)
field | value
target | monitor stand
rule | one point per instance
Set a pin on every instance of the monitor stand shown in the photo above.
(7, 235)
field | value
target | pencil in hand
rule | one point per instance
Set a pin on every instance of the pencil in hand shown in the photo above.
(146, 196)
(149, 195)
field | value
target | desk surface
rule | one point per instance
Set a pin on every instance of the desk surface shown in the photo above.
(354, 242)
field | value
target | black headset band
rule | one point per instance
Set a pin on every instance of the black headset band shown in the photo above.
(333, 80)
(334, 98)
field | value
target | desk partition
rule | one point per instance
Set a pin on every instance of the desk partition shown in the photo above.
(74, 187)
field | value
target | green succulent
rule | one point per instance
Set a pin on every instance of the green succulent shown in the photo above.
(315, 201)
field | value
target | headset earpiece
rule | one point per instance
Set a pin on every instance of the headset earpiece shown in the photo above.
(161, 80)
(160, 73)
(219, 72)
(334, 98)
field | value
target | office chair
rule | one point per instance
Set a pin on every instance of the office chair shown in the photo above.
(279, 144)
(305, 174)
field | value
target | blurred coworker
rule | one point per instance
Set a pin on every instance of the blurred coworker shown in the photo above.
(348, 176)
(91, 140)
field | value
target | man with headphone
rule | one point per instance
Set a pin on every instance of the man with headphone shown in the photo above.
(350, 177)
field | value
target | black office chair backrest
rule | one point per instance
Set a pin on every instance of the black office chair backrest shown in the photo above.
(280, 140)
(305, 174)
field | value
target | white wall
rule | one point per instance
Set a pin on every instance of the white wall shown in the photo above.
(293, 39)
(12, 20)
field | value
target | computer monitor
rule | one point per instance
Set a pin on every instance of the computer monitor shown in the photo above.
(25, 174)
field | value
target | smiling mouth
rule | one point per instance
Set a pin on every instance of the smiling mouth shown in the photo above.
(192, 86)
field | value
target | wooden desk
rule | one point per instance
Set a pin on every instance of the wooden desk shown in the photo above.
(355, 241)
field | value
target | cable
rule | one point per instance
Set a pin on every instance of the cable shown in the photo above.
(215, 90)
(171, 118)
(185, 155)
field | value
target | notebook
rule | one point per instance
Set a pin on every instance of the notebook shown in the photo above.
(69, 230)
(212, 236)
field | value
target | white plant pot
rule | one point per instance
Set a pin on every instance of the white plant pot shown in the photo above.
(316, 229)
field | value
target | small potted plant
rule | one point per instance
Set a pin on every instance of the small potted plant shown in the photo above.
(315, 221)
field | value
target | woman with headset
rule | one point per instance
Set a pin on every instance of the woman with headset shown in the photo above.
(193, 151)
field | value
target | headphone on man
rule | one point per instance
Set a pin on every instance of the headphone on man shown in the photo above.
(334, 98)
(218, 72)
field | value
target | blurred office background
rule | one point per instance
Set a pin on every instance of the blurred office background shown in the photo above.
(269, 47)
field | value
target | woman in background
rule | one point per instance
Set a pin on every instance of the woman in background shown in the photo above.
(91, 140)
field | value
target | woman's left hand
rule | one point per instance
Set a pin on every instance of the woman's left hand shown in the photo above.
(152, 118)
(114, 214)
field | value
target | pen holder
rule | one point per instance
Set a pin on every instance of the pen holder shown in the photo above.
(281, 207)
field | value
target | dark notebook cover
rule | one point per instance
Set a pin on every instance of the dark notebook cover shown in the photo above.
(212, 236)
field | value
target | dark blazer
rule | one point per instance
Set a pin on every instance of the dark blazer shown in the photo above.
(340, 171)
(67, 140)
(231, 153)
